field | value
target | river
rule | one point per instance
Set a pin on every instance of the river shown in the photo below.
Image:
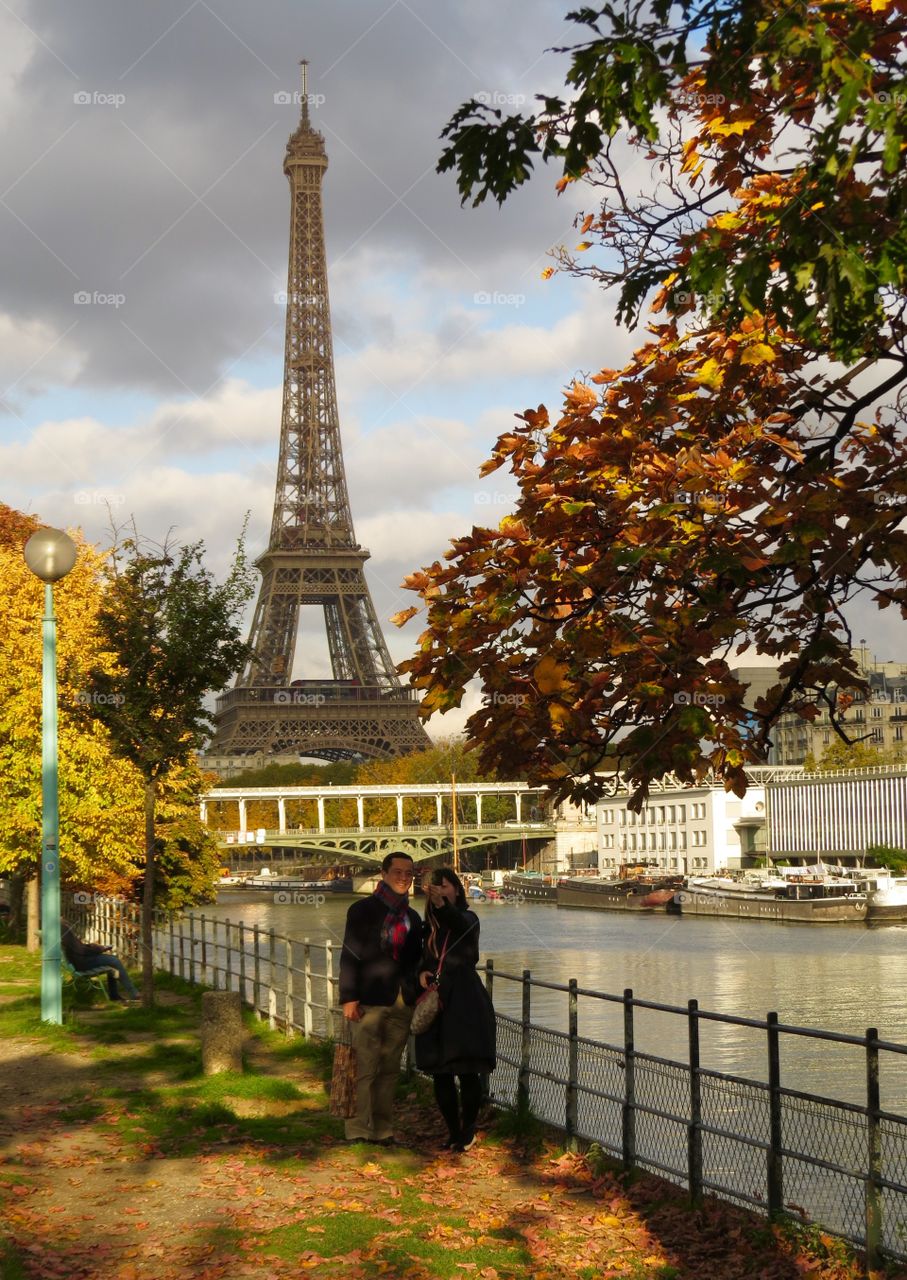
(841, 978)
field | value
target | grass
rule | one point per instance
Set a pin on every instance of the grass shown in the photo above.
(415, 1231)
(10, 1262)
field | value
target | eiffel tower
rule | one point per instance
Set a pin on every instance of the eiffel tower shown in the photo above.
(313, 557)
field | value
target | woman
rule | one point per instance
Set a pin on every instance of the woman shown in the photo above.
(461, 1040)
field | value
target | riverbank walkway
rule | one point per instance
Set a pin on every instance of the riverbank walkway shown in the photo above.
(119, 1160)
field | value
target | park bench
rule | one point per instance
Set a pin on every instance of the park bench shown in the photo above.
(94, 977)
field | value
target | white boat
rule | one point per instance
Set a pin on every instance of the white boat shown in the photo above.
(807, 895)
(887, 893)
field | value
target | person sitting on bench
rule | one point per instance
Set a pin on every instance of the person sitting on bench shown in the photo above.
(89, 957)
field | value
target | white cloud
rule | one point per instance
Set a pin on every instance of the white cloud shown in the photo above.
(34, 356)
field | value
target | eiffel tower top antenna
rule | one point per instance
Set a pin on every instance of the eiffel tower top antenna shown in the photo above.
(304, 103)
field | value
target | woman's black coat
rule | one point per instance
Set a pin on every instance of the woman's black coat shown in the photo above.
(461, 1040)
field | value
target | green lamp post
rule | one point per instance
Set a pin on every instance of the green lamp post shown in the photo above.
(50, 554)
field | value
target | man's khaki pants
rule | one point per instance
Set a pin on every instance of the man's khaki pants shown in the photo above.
(378, 1038)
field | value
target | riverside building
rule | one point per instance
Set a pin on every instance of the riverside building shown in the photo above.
(787, 815)
(685, 830)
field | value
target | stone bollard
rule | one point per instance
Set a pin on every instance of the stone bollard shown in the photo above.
(221, 1032)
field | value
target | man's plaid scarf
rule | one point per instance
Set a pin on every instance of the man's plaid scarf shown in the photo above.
(396, 923)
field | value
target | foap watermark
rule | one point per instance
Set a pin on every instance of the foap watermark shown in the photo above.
(296, 698)
(89, 699)
(286, 98)
(695, 98)
(98, 498)
(887, 97)
(712, 301)
(700, 498)
(684, 698)
(81, 899)
(509, 699)
(496, 499)
(885, 498)
(282, 297)
(513, 897)
(485, 299)
(97, 299)
(297, 898)
(97, 98)
(494, 98)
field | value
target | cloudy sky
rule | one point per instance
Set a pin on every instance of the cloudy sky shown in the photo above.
(144, 217)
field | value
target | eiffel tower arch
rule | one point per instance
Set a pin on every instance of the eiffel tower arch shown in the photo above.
(313, 559)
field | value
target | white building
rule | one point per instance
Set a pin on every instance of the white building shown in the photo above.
(690, 830)
(786, 815)
(837, 816)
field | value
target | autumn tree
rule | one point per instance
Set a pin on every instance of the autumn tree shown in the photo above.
(854, 755)
(743, 479)
(174, 633)
(100, 822)
(101, 818)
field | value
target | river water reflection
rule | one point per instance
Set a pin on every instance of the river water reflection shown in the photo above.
(841, 978)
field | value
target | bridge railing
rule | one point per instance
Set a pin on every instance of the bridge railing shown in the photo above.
(536, 829)
(751, 1141)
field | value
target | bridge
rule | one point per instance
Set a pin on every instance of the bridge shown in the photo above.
(369, 841)
(373, 843)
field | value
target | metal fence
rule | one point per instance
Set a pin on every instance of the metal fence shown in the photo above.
(752, 1142)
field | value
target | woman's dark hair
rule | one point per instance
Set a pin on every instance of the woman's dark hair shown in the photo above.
(446, 873)
(438, 876)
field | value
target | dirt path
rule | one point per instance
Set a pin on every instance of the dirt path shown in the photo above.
(112, 1169)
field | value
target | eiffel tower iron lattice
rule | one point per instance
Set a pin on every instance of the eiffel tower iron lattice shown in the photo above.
(313, 557)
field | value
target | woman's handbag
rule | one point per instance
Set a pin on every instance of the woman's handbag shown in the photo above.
(428, 1006)
(343, 1077)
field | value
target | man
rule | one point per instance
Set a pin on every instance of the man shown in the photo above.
(90, 957)
(382, 947)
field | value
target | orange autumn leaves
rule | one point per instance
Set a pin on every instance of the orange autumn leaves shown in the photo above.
(675, 512)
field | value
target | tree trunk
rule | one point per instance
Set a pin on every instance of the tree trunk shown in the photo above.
(33, 915)
(148, 897)
(16, 891)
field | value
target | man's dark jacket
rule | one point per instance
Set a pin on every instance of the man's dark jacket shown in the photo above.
(82, 955)
(368, 973)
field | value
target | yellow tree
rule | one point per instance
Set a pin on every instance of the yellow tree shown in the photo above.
(101, 818)
(100, 812)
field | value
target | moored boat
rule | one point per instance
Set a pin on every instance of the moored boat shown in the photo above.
(887, 893)
(528, 885)
(339, 884)
(632, 894)
(800, 894)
